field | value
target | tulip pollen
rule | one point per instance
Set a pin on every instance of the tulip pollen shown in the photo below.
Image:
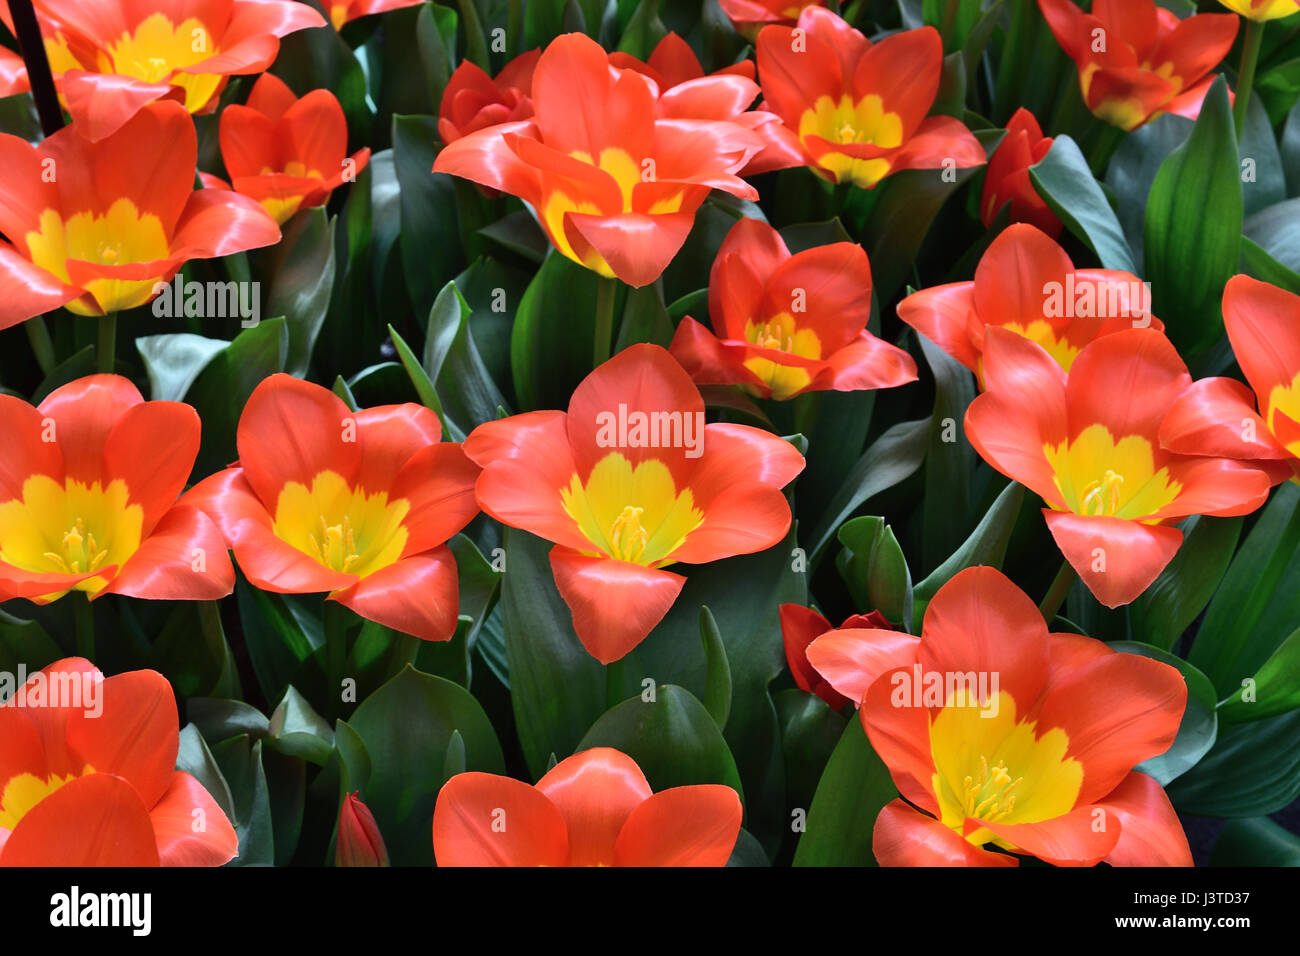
(80, 552)
(628, 537)
(990, 797)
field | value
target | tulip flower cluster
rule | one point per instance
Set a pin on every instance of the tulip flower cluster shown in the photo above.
(740, 434)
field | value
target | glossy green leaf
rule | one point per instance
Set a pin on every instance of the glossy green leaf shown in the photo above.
(1066, 184)
(717, 685)
(873, 566)
(302, 278)
(1274, 688)
(1252, 769)
(1255, 841)
(173, 361)
(854, 787)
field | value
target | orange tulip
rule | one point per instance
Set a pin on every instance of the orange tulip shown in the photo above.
(787, 324)
(800, 626)
(593, 809)
(1090, 447)
(111, 57)
(1007, 178)
(614, 185)
(88, 778)
(998, 733)
(628, 481)
(285, 152)
(1262, 10)
(859, 108)
(359, 841)
(1026, 284)
(89, 487)
(1219, 416)
(101, 227)
(1137, 61)
(345, 11)
(750, 16)
(359, 504)
(473, 100)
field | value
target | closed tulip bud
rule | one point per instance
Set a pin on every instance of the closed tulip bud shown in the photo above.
(360, 843)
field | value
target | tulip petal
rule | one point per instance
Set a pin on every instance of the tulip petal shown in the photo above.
(184, 558)
(438, 481)
(682, 826)
(1216, 416)
(416, 595)
(85, 413)
(904, 837)
(595, 791)
(852, 659)
(389, 435)
(900, 736)
(25, 453)
(1116, 558)
(941, 313)
(482, 819)
(1067, 840)
(97, 820)
(152, 447)
(191, 829)
(1150, 832)
(1261, 321)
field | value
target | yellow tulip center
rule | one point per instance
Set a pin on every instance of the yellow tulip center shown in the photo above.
(158, 49)
(632, 514)
(1099, 476)
(1040, 331)
(865, 121)
(1284, 399)
(341, 527)
(23, 792)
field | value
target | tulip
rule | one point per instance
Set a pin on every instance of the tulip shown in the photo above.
(1007, 178)
(614, 185)
(285, 152)
(473, 100)
(750, 16)
(1263, 10)
(787, 324)
(101, 227)
(88, 778)
(998, 733)
(628, 481)
(111, 57)
(800, 626)
(592, 809)
(345, 11)
(1137, 61)
(358, 504)
(859, 108)
(1219, 416)
(1026, 284)
(359, 841)
(90, 498)
(1090, 447)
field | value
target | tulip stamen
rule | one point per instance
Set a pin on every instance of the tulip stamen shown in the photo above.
(336, 548)
(991, 797)
(628, 537)
(80, 551)
(1102, 497)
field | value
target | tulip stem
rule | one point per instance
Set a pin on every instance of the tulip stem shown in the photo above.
(949, 22)
(38, 334)
(1061, 585)
(334, 617)
(1246, 77)
(602, 347)
(84, 616)
(107, 347)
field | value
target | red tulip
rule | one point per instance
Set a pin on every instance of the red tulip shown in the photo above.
(1090, 447)
(345, 11)
(614, 185)
(88, 498)
(359, 841)
(111, 57)
(88, 778)
(859, 108)
(1025, 283)
(1007, 178)
(750, 16)
(628, 481)
(473, 100)
(1137, 61)
(787, 324)
(593, 809)
(285, 152)
(1218, 416)
(800, 626)
(101, 227)
(998, 733)
(359, 504)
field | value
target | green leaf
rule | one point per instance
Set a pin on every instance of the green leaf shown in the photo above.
(1174, 600)
(1255, 841)
(643, 31)
(1259, 166)
(302, 279)
(240, 760)
(873, 567)
(173, 361)
(430, 238)
(950, 460)
(809, 732)
(452, 361)
(278, 640)
(987, 544)
(1066, 184)
(406, 727)
(1257, 263)
(1193, 227)
(423, 386)
(1277, 232)
(194, 758)
(1200, 724)
(550, 349)
(1133, 169)
(220, 720)
(556, 687)
(1275, 688)
(297, 730)
(25, 643)
(1253, 769)
(672, 738)
(645, 319)
(717, 686)
(853, 789)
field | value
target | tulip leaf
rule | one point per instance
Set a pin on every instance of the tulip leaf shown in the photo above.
(875, 570)
(240, 760)
(1258, 602)
(809, 732)
(1255, 841)
(1263, 182)
(717, 682)
(1174, 600)
(297, 730)
(748, 851)
(1252, 769)
(430, 241)
(220, 720)
(279, 641)
(302, 278)
(950, 460)
(1290, 150)
(173, 361)
(1066, 184)
(25, 643)
(195, 758)
(854, 787)
(672, 738)
(556, 687)
(645, 318)
(550, 350)
(1274, 689)
(451, 360)
(1257, 263)
(424, 387)
(406, 727)
(1133, 169)
(1193, 227)
(1200, 723)
(1277, 231)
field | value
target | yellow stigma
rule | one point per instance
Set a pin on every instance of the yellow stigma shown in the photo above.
(336, 547)
(1102, 497)
(80, 552)
(343, 528)
(990, 797)
(628, 537)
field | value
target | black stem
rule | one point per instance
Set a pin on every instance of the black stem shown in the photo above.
(32, 47)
